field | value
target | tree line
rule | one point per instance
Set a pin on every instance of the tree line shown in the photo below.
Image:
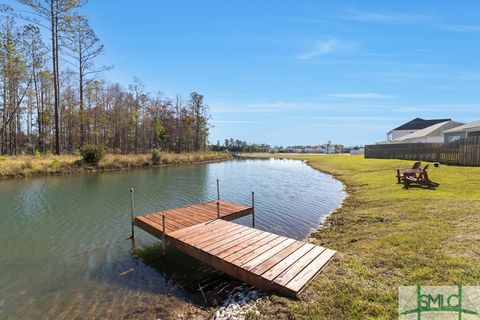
(236, 145)
(53, 98)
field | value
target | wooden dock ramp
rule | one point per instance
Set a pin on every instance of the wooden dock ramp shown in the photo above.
(262, 259)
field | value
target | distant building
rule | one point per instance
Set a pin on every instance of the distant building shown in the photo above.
(431, 134)
(357, 150)
(471, 129)
(411, 127)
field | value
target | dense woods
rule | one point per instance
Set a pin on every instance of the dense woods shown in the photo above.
(53, 98)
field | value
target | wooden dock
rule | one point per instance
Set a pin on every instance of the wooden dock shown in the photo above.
(262, 259)
(181, 218)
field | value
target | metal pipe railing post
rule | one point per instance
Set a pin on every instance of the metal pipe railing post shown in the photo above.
(218, 210)
(253, 209)
(163, 234)
(218, 190)
(132, 213)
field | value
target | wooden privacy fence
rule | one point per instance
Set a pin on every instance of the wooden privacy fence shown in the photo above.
(464, 152)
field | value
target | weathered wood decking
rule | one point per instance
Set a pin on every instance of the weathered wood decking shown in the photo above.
(262, 259)
(181, 218)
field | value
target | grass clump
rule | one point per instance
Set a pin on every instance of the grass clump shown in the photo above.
(92, 154)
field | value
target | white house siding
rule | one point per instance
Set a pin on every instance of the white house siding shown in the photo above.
(395, 134)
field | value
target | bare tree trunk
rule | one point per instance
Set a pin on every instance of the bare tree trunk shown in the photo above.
(54, 20)
(82, 112)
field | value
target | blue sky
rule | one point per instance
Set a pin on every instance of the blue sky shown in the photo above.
(301, 72)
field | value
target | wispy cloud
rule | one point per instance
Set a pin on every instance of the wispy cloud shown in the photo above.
(359, 95)
(439, 108)
(325, 47)
(382, 127)
(236, 121)
(279, 107)
(381, 17)
(356, 110)
(462, 28)
(354, 118)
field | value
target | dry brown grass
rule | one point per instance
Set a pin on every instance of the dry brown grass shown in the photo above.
(30, 166)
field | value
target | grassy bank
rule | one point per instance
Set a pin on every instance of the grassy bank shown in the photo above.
(30, 166)
(387, 237)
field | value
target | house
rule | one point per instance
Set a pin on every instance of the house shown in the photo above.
(431, 134)
(411, 127)
(471, 129)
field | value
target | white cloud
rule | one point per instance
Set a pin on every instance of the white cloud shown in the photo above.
(360, 95)
(462, 28)
(377, 17)
(354, 118)
(321, 48)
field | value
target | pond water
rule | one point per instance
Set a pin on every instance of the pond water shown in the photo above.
(63, 253)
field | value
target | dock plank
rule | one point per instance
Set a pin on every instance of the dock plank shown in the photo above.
(242, 245)
(246, 236)
(215, 235)
(227, 240)
(251, 247)
(305, 276)
(250, 264)
(275, 259)
(287, 262)
(298, 266)
(259, 250)
(196, 235)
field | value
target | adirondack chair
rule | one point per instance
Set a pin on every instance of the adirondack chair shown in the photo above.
(422, 179)
(412, 172)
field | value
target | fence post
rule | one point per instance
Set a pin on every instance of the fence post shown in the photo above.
(218, 190)
(132, 214)
(253, 209)
(163, 234)
(218, 210)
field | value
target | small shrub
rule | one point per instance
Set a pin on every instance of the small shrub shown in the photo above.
(54, 166)
(156, 157)
(92, 154)
(37, 154)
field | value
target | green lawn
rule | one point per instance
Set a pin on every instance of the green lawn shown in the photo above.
(387, 237)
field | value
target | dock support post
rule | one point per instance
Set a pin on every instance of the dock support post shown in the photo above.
(163, 235)
(253, 209)
(218, 210)
(218, 190)
(132, 213)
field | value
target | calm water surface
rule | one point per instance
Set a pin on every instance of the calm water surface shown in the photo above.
(62, 251)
